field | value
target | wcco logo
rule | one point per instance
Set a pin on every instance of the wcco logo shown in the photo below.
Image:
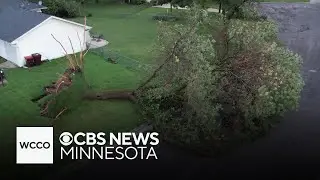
(34, 145)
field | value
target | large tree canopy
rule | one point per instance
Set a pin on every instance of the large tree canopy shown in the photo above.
(219, 82)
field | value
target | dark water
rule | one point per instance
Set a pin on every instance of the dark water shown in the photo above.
(291, 150)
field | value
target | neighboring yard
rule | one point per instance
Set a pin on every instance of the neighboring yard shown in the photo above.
(130, 34)
(129, 29)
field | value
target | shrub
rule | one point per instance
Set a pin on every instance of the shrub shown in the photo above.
(62, 8)
(138, 2)
(154, 2)
(219, 86)
(2, 60)
(165, 17)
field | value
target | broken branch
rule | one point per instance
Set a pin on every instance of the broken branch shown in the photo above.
(63, 110)
(66, 52)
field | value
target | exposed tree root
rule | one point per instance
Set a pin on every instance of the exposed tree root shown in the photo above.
(62, 111)
(45, 107)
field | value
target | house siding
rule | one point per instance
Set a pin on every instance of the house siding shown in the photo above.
(9, 52)
(40, 40)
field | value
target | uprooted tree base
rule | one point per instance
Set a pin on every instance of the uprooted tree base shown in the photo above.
(59, 97)
(63, 82)
(62, 94)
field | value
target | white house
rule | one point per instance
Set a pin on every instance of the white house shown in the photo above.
(24, 33)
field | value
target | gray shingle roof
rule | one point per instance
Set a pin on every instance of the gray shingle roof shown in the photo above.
(16, 22)
(22, 4)
(29, 6)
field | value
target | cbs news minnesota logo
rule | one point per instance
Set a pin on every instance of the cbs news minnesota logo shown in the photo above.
(35, 145)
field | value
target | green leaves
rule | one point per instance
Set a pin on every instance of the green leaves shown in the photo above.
(281, 82)
(219, 80)
(62, 8)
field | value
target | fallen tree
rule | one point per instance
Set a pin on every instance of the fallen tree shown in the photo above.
(219, 81)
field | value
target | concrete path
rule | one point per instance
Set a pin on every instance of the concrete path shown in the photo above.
(291, 150)
(7, 65)
(94, 44)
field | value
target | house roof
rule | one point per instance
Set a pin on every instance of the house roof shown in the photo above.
(16, 22)
(30, 6)
(56, 18)
(21, 4)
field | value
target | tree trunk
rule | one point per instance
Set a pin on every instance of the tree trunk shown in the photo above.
(112, 95)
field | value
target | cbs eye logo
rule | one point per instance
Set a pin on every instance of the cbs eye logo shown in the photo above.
(66, 138)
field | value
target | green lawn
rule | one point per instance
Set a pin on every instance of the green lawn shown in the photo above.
(131, 32)
(129, 29)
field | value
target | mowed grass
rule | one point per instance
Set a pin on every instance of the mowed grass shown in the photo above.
(129, 29)
(131, 32)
